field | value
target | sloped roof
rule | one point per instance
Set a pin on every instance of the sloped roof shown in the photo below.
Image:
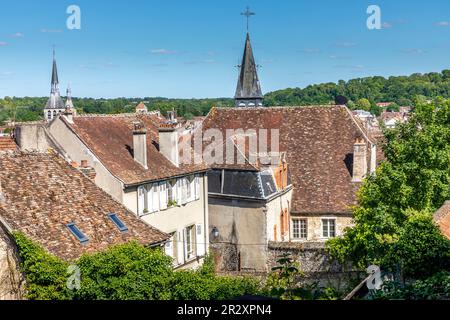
(318, 142)
(110, 138)
(442, 218)
(7, 143)
(42, 194)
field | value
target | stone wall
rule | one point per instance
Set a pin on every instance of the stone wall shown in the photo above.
(315, 264)
(11, 280)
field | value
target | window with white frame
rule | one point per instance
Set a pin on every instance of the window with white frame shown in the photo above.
(197, 187)
(171, 192)
(299, 229)
(189, 242)
(329, 228)
(142, 200)
(153, 197)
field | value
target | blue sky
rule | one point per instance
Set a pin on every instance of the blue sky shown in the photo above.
(186, 49)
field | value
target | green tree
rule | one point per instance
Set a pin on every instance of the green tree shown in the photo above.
(363, 104)
(413, 181)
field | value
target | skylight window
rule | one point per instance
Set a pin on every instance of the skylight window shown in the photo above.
(77, 233)
(119, 224)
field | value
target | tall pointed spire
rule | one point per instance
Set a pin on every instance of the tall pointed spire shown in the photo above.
(248, 91)
(55, 80)
(55, 105)
(69, 103)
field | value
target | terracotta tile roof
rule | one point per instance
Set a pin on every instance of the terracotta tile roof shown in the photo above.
(110, 139)
(42, 194)
(318, 142)
(7, 143)
(442, 218)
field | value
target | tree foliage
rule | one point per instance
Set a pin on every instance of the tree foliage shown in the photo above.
(402, 90)
(125, 272)
(393, 224)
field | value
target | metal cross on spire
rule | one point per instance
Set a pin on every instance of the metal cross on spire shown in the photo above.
(248, 14)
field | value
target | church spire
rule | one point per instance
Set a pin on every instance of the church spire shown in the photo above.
(55, 105)
(69, 103)
(55, 80)
(248, 91)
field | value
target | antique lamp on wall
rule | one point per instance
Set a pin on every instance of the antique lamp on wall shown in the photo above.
(215, 232)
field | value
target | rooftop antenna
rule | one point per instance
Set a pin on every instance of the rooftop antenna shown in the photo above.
(248, 14)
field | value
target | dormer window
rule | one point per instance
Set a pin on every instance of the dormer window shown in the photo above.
(119, 224)
(77, 233)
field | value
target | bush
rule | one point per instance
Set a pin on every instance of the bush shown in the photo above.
(125, 272)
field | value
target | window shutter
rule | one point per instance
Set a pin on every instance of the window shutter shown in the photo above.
(163, 195)
(169, 247)
(179, 192)
(150, 197)
(155, 197)
(197, 187)
(141, 200)
(200, 238)
(185, 245)
(184, 186)
(191, 186)
(180, 248)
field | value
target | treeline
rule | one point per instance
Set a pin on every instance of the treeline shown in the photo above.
(402, 90)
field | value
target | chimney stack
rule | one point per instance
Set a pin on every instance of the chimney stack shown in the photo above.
(140, 144)
(168, 143)
(359, 160)
(86, 169)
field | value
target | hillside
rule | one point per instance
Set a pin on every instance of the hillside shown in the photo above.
(403, 90)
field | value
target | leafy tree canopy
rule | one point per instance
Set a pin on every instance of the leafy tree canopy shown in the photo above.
(393, 218)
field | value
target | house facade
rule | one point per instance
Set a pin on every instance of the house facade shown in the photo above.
(135, 159)
(326, 154)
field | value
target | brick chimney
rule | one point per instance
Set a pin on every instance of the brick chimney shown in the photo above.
(359, 160)
(85, 169)
(140, 144)
(168, 143)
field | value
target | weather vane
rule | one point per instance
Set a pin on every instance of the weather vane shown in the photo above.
(248, 14)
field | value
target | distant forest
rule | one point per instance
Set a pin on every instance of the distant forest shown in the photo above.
(363, 93)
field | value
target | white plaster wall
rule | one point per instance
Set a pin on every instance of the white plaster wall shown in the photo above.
(274, 209)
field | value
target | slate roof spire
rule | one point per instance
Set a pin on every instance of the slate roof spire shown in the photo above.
(55, 80)
(55, 101)
(248, 91)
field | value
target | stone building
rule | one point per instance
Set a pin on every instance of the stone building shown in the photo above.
(326, 155)
(61, 209)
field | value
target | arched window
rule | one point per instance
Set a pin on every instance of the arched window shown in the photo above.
(54, 113)
(49, 115)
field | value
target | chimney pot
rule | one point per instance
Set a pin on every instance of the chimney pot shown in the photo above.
(168, 142)
(359, 160)
(84, 163)
(140, 144)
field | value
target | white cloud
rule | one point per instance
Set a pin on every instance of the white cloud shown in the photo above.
(413, 51)
(163, 51)
(345, 44)
(2, 43)
(17, 35)
(387, 25)
(6, 73)
(44, 30)
(310, 50)
(443, 24)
